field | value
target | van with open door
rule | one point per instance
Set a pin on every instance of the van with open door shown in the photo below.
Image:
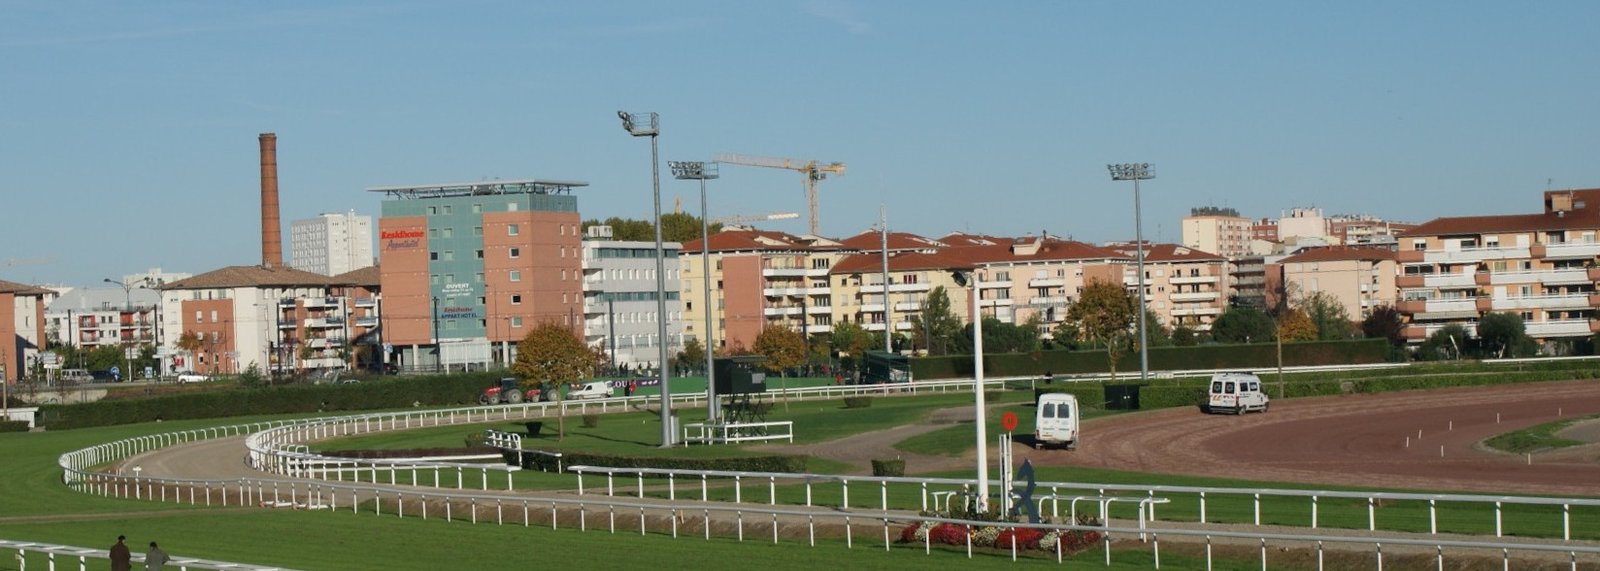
(1237, 393)
(1055, 422)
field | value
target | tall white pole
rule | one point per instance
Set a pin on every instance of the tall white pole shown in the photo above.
(667, 437)
(1138, 238)
(888, 310)
(705, 279)
(977, 389)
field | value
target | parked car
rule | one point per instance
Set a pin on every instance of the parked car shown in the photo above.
(103, 376)
(591, 390)
(192, 377)
(76, 375)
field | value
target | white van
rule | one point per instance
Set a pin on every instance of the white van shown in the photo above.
(1056, 421)
(591, 390)
(1237, 393)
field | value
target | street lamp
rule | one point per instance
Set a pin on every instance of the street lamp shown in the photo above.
(127, 300)
(701, 171)
(970, 280)
(649, 125)
(1137, 172)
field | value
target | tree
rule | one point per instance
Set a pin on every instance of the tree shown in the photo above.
(850, 339)
(1103, 315)
(936, 324)
(1295, 325)
(1327, 315)
(1002, 337)
(1384, 322)
(1183, 336)
(675, 227)
(1446, 343)
(1502, 333)
(784, 349)
(693, 352)
(552, 353)
(1155, 333)
(1242, 325)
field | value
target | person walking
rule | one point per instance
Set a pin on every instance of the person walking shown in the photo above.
(155, 559)
(121, 558)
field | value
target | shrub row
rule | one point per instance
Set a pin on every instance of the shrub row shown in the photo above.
(13, 426)
(389, 393)
(774, 463)
(1161, 358)
(892, 468)
(1167, 393)
(857, 402)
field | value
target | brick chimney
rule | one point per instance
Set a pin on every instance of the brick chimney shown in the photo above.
(271, 233)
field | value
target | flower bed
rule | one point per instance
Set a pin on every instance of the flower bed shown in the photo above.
(1001, 537)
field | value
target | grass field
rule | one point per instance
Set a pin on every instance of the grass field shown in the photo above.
(1536, 438)
(35, 506)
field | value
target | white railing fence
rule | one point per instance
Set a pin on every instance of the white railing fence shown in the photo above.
(50, 556)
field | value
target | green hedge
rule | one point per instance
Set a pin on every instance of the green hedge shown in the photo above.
(774, 463)
(13, 426)
(857, 402)
(388, 393)
(1090, 395)
(1257, 355)
(890, 468)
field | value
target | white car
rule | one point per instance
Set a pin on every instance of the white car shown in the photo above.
(192, 377)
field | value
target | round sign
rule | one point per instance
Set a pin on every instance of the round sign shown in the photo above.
(1008, 421)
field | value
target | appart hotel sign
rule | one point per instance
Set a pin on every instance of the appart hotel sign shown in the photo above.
(401, 239)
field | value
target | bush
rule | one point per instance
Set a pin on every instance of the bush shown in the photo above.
(1019, 538)
(13, 426)
(895, 467)
(857, 402)
(396, 392)
(591, 420)
(948, 534)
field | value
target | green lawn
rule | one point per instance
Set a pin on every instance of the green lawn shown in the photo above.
(1536, 438)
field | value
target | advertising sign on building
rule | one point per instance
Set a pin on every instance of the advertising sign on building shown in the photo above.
(403, 239)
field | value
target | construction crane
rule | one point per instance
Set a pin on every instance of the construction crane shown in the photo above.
(741, 219)
(814, 172)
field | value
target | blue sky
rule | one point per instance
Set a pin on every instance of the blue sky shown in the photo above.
(128, 130)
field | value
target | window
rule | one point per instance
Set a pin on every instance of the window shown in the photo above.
(432, 210)
(476, 208)
(516, 299)
(479, 254)
(478, 277)
(213, 316)
(477, 230)
(516, 322)
(198, 317)
(447, 232)
(513, 230)
(433, 256)
(515, 276)
(515, 252)
(511, 207)
(448, 255)
(433, 232)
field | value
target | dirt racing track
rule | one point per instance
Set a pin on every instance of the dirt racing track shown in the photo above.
(1418, 440)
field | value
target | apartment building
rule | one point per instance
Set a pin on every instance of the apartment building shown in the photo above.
(468, 269)
(619, 298)
(246, 316)
(1182, 286)
(331, 243)
(22, 327)
(94, 317)
(1218, 230)
(1360, 278)
(758, 278)
(1539, 266)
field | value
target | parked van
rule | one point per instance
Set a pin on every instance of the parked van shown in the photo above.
(1056, 421)
(76, 375)
(1237, 393)
(591, 390)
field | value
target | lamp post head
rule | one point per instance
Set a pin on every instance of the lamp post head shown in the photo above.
(693, 170)
(961, 278)
(640, 124)
(1131, 171)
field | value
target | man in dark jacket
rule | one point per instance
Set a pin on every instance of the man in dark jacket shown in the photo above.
(121, 558)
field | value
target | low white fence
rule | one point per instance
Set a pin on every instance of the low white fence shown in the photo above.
(50, 555)
(928, 488)
(733, 432)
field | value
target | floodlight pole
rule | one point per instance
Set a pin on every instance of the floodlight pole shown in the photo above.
(648, 125)
(1137, 172)
(971, 281)
(701, 171)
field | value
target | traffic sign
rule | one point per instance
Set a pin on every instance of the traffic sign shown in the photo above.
(1008, 421)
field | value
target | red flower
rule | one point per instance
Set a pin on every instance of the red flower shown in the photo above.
(1023, 537)
(948, 534)
(909, 534)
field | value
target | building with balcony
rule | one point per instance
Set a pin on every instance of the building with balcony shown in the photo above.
(758, 278)
(1360, 278)
(619, 298)
(1219, 230)
(21, 326)
(468, 269)
(229, 320)
(1538, 266)
(1183, 286)
(331, 244)
(95, 317)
